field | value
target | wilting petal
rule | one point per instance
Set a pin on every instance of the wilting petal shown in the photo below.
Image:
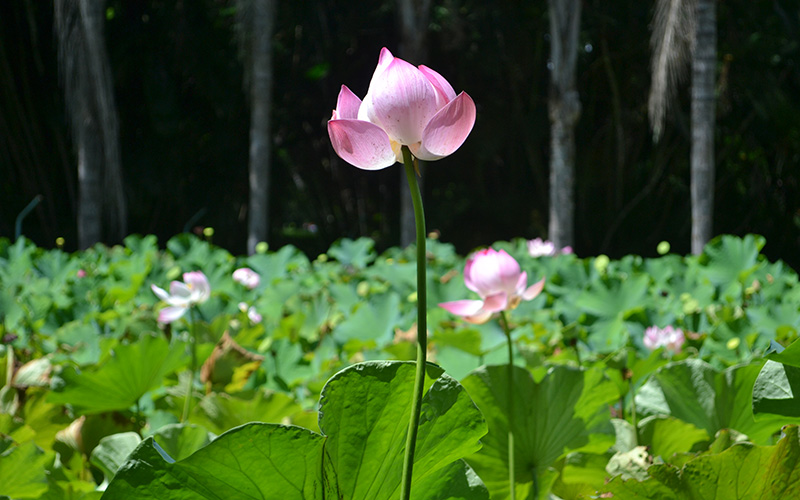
(170, 314)
(447, 130)
(347, 105)
(533, 290)
(362, 144)
(444, 91)
(463, 307)
(496, 302)
(401, 100)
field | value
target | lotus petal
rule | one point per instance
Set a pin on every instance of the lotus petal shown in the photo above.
(447, 130)
(362, 144)
(401, 100)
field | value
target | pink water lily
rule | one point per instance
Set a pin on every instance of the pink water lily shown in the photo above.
(496, 277)
(246, 277)
(404, 106)
(668, 337)
(182, 295)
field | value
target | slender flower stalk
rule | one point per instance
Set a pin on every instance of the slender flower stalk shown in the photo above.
(406, 111)
(511, 479)
(187, 401)
(422, 326)
(497, 278)
(182, 297)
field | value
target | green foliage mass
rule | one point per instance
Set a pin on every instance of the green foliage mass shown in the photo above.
(311, 400)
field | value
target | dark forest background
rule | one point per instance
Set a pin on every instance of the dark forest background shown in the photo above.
(184, 122)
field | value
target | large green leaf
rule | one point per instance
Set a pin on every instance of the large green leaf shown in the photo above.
(23, 471)
(743, 471)
(363, 413)
(252, 461)
(221, 412)
(728, 259)
(565, 411)
(695, 392)
(777, 388)
(112, 452)
(133, 370)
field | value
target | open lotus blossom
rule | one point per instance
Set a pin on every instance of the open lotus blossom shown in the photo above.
(670, 338)
(246, 277)
(182, 295)
(404, 106)
(543, 248)
(496, 277)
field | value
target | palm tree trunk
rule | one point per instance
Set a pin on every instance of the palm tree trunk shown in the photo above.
(702, 116)
(261, 79)
(90, 103)
(564, 109)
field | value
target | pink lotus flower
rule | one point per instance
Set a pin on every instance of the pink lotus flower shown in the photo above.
(497, 278)
(669, 337)
(182, 295)
(404, 105)
(539, 248)
(246, 277)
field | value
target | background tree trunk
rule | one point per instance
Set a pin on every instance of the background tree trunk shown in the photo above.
(564, 110)
(259, 19)
(703, 118)
(90, 103)
(414, 19)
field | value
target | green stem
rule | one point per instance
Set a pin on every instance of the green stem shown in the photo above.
(511, 479)
(422, 327)
(633, 411)
(187, 402)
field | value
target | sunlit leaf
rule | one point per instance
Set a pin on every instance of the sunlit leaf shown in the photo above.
(133, 370)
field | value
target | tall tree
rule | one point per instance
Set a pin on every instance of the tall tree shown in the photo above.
(414, 18)
(684, 29)
(703, 117)
(86, 76)
(564, 109)
(256, 21)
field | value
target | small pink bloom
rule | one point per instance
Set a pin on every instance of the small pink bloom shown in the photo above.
(81, 273)
(182, 295)
(404, 106)
(496, 277)
(540, 248)
(670, 338)
(252, 314)
(246, 277)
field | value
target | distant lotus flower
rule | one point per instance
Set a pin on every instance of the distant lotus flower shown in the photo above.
(404, 105)
(182, 295)
(81, 273)
(542, 248)
(496, 277)
(251, 312)
(670, 338)
(246, 277)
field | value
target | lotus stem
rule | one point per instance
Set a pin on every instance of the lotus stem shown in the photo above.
(511, 476)
(187, 402)
(422, 326)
